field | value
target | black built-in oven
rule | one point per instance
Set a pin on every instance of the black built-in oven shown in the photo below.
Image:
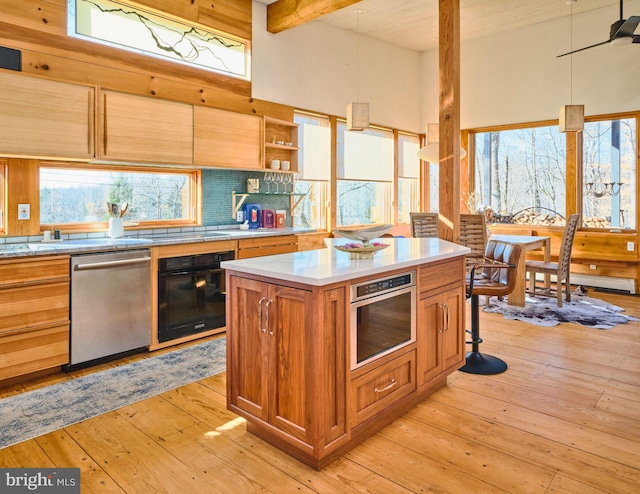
(191, 294)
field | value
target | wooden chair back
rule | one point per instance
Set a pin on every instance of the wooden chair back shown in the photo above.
(564, 255)
(473, 234)
(424, 224)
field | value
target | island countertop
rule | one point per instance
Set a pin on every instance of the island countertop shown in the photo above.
(325, 266)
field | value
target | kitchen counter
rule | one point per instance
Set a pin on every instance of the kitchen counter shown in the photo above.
(75, 245)
(325, 266)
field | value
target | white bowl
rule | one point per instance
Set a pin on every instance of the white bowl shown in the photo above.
(364, 234)
(285, 165)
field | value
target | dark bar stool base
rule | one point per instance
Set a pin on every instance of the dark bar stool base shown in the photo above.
(478, 363)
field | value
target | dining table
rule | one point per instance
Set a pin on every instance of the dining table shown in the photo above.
(528, 243)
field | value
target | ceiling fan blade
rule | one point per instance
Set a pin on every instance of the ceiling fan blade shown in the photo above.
(582, 49)
(627, 28)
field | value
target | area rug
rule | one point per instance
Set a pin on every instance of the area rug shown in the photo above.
(544, 311)
(34, 413)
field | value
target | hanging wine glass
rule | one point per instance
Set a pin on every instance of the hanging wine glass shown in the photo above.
(268, 177)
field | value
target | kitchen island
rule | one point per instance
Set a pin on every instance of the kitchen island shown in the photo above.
(298, 325)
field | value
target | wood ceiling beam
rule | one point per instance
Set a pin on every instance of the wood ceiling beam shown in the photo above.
(285, 14)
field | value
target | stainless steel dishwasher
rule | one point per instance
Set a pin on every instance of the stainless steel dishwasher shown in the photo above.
(110, 304)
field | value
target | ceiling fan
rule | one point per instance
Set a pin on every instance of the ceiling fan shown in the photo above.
(621, 33)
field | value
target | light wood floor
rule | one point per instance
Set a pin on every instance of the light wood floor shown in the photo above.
(565, 417)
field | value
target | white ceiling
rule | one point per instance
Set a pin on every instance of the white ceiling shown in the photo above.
(413, 24)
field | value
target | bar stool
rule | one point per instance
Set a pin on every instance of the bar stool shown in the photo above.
(496, 276)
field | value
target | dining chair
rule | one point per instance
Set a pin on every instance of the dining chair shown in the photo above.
(560, 269)
(494, 276)
(473, 234)
(424, 224)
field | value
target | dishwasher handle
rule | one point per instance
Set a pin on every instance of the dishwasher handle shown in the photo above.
(107, 264)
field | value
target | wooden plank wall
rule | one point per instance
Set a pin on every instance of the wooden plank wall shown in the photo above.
(38, 29)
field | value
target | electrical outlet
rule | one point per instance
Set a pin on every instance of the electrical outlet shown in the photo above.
(631, 246)
(24, 211)
(240, 216)
(592, 266)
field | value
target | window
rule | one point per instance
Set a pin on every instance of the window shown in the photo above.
(408, 176)
(123, 26)
(314, 166)
(79, 195)
(609, 173)
(520, 175)
(364, 176)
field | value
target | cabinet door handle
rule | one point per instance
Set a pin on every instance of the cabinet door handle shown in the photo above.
(90, 123)
(388, 386)
(441, 321)
(446, 317)
(104, 123)
(260, 315)
(267, 316)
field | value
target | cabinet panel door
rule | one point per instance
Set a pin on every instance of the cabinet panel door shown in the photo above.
(227, 139)
(289, 321)
(334, 368)
(429, 320)
(441, 334)
(453, 336)
(248, 346)
(137, 128)
(46, 118)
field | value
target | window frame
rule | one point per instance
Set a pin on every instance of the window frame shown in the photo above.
(580, 167)
(71, 12)
(573, 165)
(195, 195)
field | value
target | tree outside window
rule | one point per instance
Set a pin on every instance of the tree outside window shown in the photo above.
(520, 175)
(609, 174)
(76, 195)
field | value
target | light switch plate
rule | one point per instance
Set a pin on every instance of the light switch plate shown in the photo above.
(24, 211)
(631, 246)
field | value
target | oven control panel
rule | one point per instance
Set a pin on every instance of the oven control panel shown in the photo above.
(376, 287)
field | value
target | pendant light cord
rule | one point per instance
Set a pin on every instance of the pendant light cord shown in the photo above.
(571, 56)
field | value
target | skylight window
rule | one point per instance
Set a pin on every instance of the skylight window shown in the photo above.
(123, 26)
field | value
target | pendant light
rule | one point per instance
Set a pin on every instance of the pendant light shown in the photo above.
(571, 118)
(357, 113)
(431, 151)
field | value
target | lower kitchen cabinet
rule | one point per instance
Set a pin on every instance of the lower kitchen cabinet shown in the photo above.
(288, 351)
(267, 246)
(441, 320)
(34, 315)
(280, 345)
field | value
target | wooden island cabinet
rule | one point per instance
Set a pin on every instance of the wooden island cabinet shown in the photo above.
(290, 369)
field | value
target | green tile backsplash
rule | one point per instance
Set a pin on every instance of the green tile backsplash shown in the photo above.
(217, 186)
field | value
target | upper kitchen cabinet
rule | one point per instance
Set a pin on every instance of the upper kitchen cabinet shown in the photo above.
(281, 141)
(46, 119)
(227, 139)
(143, 129)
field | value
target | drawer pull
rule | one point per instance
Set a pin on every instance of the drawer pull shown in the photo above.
(387, 387)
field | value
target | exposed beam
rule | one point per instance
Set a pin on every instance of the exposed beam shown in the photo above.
(285, 14)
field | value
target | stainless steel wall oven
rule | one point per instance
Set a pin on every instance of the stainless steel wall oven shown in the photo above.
(383, 317)
(191, 294)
